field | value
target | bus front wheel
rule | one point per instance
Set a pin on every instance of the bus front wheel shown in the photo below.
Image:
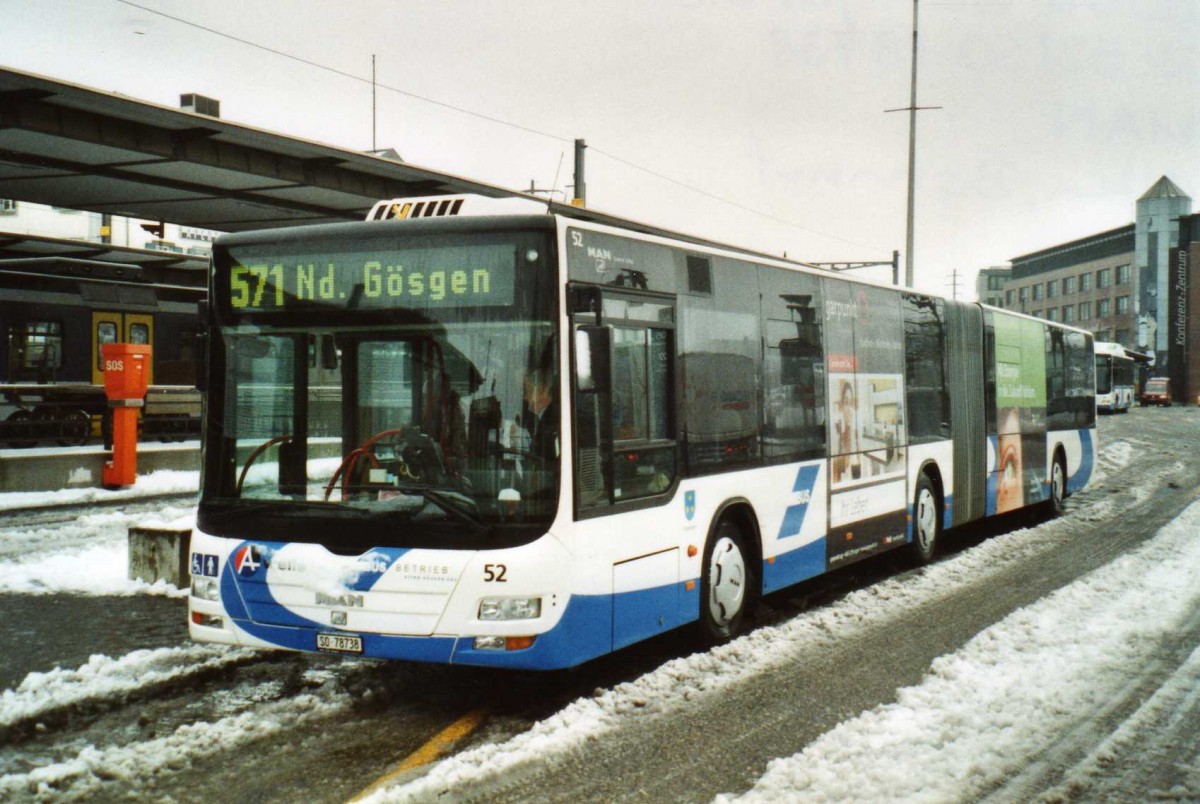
(726, 585)
(927, 521)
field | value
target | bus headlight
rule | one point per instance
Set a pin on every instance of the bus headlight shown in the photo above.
(205, 588)
(510, 608)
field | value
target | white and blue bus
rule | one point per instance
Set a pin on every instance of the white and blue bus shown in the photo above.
(1115, 371)
(527, 440)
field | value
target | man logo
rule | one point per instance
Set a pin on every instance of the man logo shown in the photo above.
(689, 505)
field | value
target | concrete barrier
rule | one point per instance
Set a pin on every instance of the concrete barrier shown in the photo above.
(160, 554)
(83, 467)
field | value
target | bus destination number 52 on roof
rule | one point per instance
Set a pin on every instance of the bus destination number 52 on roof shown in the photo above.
(520, 439)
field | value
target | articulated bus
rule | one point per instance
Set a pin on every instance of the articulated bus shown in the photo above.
(1114, 378)
(528, 439)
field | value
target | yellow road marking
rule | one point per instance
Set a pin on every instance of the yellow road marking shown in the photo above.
(437, 745)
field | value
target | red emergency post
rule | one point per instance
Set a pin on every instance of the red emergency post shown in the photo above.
(126, 376)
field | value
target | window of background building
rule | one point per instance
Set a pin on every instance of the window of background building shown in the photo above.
(1024, 295)
(1122, 305)
(1123, 336)
(1052, 314)
(1122, 274)
(1037, 291)
(8, 206)
(1052, 289)
(1104, 278)
(1068, 285)
(1085, 283)
(1104, 308)
(1085, 311)
(1010, 297)
(1068, 313)
(1036, 314)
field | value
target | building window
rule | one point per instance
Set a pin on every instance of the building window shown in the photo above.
(1104, 278)
(1122, 274)
(1051, 289)
(1085, 311)
(1068, 285)
(1036, 314)
(1024, 295)
(1010, 297)
(1052, 314)
(1122, 305)
(1068, 313)
(1104, 308)
(1085, 283)
(995, 282)
(1037, 291)
(8, 206)
(1123, 336)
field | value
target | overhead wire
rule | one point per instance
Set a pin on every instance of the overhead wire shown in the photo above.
(488, 118)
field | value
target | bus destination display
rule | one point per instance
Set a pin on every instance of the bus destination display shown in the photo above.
(469, 276)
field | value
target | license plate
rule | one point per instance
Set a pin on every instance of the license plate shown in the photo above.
(339, 643)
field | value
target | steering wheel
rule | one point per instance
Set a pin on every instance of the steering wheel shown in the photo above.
(364, 450)
(259, 450)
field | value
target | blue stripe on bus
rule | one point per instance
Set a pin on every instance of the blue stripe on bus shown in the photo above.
(1087, 463)
(794, 566)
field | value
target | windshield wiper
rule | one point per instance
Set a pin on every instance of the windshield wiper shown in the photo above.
(447, 502)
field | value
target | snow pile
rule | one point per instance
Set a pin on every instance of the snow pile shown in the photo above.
(89, 556)
(991, 709)
(104, 677)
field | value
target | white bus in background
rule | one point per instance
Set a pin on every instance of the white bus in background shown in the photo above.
(1114, 378)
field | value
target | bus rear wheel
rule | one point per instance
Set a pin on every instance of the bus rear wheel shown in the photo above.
(1058, 485)
(927, 521)
(726, 584)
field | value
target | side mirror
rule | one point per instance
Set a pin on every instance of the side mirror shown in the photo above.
(592, 351)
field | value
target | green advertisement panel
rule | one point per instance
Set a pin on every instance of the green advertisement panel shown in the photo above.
(1020, 465)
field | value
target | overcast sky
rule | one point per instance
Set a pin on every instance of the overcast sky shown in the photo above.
(1057, 114)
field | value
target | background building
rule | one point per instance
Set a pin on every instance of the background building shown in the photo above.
(24, 217)
(989, 284)
(1129, 285)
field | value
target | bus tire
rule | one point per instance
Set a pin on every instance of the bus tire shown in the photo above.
(1058, 485)
(927, 521)
(726, 584)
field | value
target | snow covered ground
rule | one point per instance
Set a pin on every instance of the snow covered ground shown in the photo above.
(990, 710)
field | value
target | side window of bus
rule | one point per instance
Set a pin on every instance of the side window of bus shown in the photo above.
(624, 421)
(925, 368)
(794, 408)
(643, 447)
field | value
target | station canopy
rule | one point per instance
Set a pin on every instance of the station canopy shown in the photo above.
(74, 147)
(70, 146)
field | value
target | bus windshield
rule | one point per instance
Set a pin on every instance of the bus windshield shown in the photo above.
(412, 423)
